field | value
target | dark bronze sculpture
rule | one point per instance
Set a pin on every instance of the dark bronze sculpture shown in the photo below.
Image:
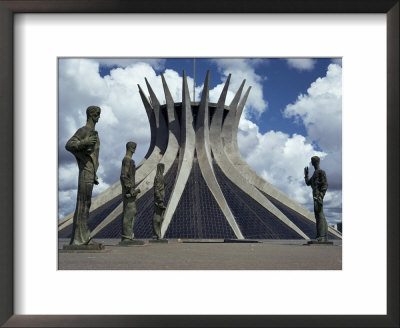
(85, 145)
(159, 208)
(319, 185)
(129, 194)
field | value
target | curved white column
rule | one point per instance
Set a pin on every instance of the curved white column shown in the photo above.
(172, 146)
(205, 160)
(153, 126)
(161, 140)
(230, 171)
(186, 155)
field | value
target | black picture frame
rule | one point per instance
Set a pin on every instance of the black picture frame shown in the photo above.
(7, 201)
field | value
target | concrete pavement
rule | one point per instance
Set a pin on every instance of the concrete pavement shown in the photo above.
(205, 255)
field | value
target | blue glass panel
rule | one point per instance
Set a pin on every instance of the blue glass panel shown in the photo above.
(198, 214)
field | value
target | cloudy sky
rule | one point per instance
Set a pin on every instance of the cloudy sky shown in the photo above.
(294, 111)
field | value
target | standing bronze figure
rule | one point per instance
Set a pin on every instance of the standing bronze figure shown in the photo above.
(85, 145)
(159, 208)
(129, 194)
(319, 185)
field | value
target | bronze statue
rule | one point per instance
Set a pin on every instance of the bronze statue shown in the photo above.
(319, 185)
(85, 145)
(129, 194)
(159, 208)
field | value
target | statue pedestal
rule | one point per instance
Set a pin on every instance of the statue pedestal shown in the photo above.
(155, 241)
(319, 243)
(131, 242)
(90, 247)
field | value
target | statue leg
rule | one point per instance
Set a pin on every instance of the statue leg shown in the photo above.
(157, 221)
(80, 228)
(158, 227)
(323, 232)
(155, 225)
(128, 218)
(322, 226)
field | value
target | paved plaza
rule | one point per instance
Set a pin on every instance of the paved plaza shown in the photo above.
(205, 255)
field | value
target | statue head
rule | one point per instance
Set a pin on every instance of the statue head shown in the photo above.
(93, 112)
(131, 146)
(315, 161)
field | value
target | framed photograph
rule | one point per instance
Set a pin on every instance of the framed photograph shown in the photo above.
(37, 34)
(204, 203)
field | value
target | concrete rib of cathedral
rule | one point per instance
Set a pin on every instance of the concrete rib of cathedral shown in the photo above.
(211, 192)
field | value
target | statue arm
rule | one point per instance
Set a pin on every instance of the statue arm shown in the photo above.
(323, 183)
(73, 145)
(306, 179)
(134, 192)
(158, 200)
(159, 194)
(77, 143)
(126, 183)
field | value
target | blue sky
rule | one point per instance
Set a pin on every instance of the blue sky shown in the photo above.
(293, 112)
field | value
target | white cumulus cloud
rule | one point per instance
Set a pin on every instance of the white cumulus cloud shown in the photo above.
(320, 110)
(301, 64)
